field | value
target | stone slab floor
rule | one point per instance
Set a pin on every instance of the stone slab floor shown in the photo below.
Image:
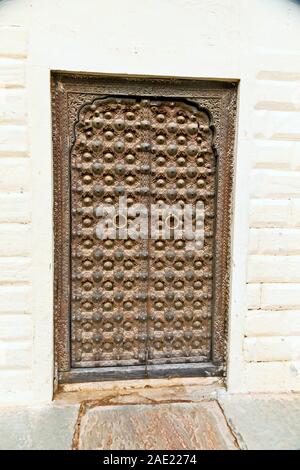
(217, 422)
(167, 426)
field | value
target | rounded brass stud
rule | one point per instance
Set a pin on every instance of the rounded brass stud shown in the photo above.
(119, 255)
(170, 296)
(128, 243)
(180, 183)
(108, 265)
(179, 285)
(87, 201)
(145, 124)
(108, 157)
(191, 193)
(192, 150)
(160, 118)
(97, 317)
(128, 285)
(197, 305)
(87, 347)
(87, 156)
(172, 149)
(118, 317)
(87, 264)
(107, 306)
(192, 128)
(170, 255)
(198, 264)
(97, 122)
(160, 139)
(119, 276)
(160, 161)
(181, 161)
(87, 222)
(171, 194)
(159, 245)
(159, 285)
(119, 124)
(119, 146)
(188, 335)
(191, 172)
(98, 190)
(109, 180)
(128, 305)
(179, 265)
(189, 275)
(129, 137)
(189, 295)
(169, 336)
(120, 169)
(108, 285)
(171, 172)
(189, 255)
(97, 338)
(87, 243)
(145, 169)
(200, 183)
(160, 182)
(169, 276)
(119, 190)
(119, 296)
(97, 167)
(159, 306)
(169, 316)
(172, 127)
(188, 315)
(130, 116)
(109, 135)
(159, 265)
(181, 140)
(108, 200)
(87, 179)
(180, 119)
(96, 297)
(200, 161)
(130, 180)
(97, 276)
(97, 145)
(128, 264)
(98, 254)
(87, 306)
(87, 286)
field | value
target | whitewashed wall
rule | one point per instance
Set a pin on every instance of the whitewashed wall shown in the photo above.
(257, 42)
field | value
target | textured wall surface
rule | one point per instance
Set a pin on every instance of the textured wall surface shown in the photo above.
(16, 329)
(256, 42)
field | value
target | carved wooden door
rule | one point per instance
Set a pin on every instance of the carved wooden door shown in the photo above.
(141, 304)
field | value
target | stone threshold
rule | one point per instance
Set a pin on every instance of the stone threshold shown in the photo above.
(141, 392)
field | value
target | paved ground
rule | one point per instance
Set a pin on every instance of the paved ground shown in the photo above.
(39, 428)
(154, 420)
(148, 427)
(264, 422)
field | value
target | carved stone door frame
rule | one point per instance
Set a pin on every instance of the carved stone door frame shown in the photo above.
(69, 93)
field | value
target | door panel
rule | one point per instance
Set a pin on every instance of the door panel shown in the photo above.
(140, 300)
(183, 173)
(109, 320)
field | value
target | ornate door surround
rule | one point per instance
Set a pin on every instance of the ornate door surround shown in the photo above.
(143, 308)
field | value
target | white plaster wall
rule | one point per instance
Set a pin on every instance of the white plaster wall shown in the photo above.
(254, 41)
